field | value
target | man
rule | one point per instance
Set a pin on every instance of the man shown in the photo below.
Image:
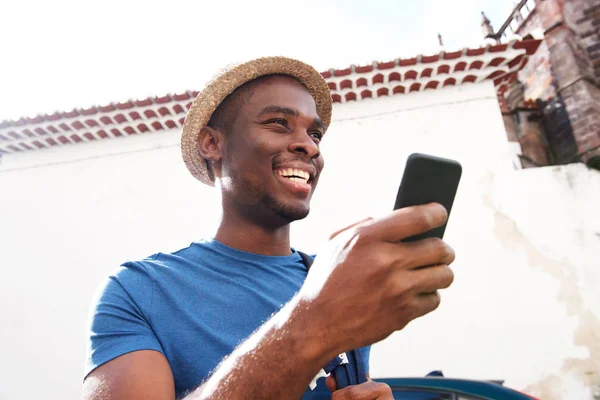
(207, 321)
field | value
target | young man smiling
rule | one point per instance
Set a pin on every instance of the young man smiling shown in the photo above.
(206, 321)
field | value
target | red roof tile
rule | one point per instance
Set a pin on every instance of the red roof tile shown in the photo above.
(181, 97)
(162, 100)
(430, 59)
(452, 55)
(143, 103)
(365, 68)
(89, 111)
(107, 108)
(342, 72)
(125, 106)
(386, 65)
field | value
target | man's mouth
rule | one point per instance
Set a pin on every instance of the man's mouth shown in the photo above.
(294, 175)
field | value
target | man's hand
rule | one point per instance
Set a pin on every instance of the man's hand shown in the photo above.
(366, 284)
(369, 390)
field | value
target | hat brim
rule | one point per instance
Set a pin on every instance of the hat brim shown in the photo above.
(230, 79)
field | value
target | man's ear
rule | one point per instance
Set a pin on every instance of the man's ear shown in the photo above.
(210, 145)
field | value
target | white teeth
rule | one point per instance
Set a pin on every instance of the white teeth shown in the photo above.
(293, 174)
(294, 179)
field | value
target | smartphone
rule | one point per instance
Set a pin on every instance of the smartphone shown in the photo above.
(428, 179)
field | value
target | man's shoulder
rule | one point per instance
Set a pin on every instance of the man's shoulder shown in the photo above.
(135, 270)
(166, 259)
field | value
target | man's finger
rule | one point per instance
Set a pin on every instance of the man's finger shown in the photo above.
(407, 222)
(428, 280)
(421, 253)
(369, 390)
(426, 303)
(331, 383)
(349, 226)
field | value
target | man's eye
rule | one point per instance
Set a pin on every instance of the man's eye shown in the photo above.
(278, 121)
(317, 135)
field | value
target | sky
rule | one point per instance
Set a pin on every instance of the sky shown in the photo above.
(56, 55)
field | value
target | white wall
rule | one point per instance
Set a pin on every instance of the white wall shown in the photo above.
(523, 307)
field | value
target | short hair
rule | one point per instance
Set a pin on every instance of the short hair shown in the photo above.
(226, 113)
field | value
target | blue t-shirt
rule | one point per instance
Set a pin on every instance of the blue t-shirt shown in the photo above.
(195, 306)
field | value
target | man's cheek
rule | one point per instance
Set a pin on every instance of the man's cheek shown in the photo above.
(251, 188)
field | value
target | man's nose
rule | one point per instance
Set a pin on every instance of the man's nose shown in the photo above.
(305, 144)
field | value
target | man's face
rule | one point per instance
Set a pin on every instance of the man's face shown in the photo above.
(271, 161)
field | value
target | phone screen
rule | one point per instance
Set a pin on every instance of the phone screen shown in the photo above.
(429, 179)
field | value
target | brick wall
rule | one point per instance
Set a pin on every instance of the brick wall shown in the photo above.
(526, 116)
(584, 18)
(563, 79)
(556, 124)
(572, 33)
(522, 123)
(534, 148)
(537, 74)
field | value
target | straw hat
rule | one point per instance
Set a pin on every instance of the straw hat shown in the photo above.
(230, 79)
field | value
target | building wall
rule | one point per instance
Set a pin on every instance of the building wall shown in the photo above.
(583, 16)
(570, 34)
(560, 83)
(537, 73)
(572, 46)
(524, 306)
(547, 137)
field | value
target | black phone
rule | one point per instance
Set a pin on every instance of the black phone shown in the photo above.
(428, 179)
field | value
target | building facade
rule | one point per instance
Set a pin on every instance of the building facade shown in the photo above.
(553, 110)
(85, 190)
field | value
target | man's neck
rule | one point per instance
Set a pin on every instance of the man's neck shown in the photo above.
(239, 233)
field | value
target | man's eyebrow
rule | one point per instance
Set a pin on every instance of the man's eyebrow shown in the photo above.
(279, 110)
(318, 123)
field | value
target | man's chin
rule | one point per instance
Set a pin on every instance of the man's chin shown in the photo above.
(303, 215)
(291, 212)
(288, 211)
(294, 214)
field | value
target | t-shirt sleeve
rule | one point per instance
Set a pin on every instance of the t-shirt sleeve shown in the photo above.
(119, 321)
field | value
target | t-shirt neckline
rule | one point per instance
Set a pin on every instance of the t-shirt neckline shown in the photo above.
(248, 255)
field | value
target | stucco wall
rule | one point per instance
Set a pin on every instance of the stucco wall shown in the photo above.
(523, 307)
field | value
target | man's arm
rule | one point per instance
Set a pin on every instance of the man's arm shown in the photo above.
(139, 375)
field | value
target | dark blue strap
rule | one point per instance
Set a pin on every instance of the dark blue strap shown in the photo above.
(332, 364)
(352, 373)
(343, 376)
(306, 260)
(361, 374)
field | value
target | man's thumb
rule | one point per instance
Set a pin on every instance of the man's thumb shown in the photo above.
(331, 383)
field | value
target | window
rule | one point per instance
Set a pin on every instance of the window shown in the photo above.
(426, 394)
(421, 394)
